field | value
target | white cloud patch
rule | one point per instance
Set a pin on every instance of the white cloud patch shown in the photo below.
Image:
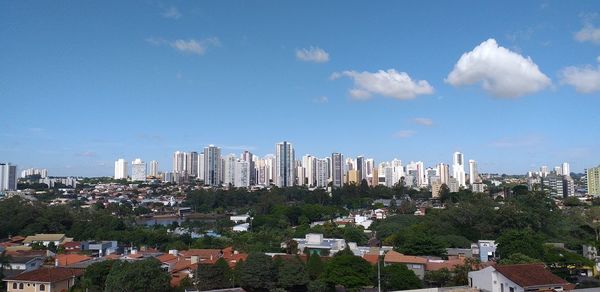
(501, 72)
(188, 46)
(321, 99)
(404, 134)
(312, 54)
(589, 33)
(585, 79)
(423, 121)
(172, 12)
(390, 83)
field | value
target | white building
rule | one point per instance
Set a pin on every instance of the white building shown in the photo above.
(314, 243)
(8, 177)
(473, 172)
(138, 170)
(566, 169)
(242, 174)
(322, 173)
(178, 162)
(458, 168)
(284, 161)
(443, 173)
(121, 170)
(154, 168)
(510, 278)
(200, 170)
(229, 170)
(212, 166)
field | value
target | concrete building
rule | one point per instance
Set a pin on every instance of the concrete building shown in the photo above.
(213, 166)
(322, 173)
(201, 173)
(121, 171)
(473, 172)
(314, 243)
(443, 173)
(453, 185)
(138, 170)
(242, 173)
(191, 163)
(229, 169)
(284, 164)
(458, 168)
(178, 162)
(593, 180)
(8, 177)
(337, 169)
(154, 168)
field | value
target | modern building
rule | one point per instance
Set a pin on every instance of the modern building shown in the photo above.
(566, 169)
(322, 173)
(41, 172)
(360, 169)
(138, 170)
(8, 177)
(178, 162)
(242, 174)
(458, 168)
(443, 173)
(191, 163)
(473, 172)
(213, 167)
(249, 157)
(593, 181)
(200, 171)
(154, 168)
(284, 164)
(121, 170)
(229, 169)
(337, 170)
(314, 243)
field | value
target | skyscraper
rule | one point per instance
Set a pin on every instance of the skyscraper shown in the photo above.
(593, 180)
(360, 169)
(229, 170)
(284, 160)
(458, 169)
(154, 168)
(566, 169)
(322, 173)
(444, 173)
(191, 165)
(138, 170)
(242, 174)
(337, 169)
(212, 166)
(8, 177)
(121, 169)
(247, 156)
(309, 163)
(473, 172)
(201, 166)
(178, 162)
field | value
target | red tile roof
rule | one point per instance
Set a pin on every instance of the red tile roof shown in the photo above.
(527, 275)
(396, 257)
(371, 258)
(47, 275)
(450, 264)
(69, 259)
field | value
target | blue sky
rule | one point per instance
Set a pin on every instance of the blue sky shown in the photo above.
(83, 83)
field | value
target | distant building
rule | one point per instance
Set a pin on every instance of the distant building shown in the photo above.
(453, 185)
(121, 170)
(284, 164)
(138, 170)
(42, 172)
(178, 162)
(154, 168)
(322, 173)
(213, 167)
(8, 177)
(593, 180)
(314, 243)
(337, 169)
(554, 183)
(473, 172)
(458, 168)
(443, 173)
(436, 187)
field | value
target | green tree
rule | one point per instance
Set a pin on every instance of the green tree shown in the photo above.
(145, 275)
(348, 270)
(520, 241)
(216, 276)
(4, 264)
(399, 277)
(439, 278)
(314, 266)
(94, 278)
(292, 275)
(422, 245)
(518, 258)
(317, 286)
(258, 273)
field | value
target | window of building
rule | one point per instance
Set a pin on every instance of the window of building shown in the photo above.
(21, 286)
(42, 287)
(512, 289)
(501, 287)
(14, 285)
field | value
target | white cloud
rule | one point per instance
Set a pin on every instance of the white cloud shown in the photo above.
(502, 72)
(404, 134)
(423, 121)
(189, 46)
(312, 54)
(390, 83)
(321, 99)
(588, 33)
(585, 79)
(172, 12)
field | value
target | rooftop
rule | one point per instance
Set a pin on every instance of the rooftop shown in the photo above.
(47, 275)
(526, 275)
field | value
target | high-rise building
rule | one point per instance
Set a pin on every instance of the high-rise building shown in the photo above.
(247, 156)
(154, 168)
(229, 170)
(178, 162)
(8, 177)
(593, 181)
(138, 170)
(337, 169)
(360, 169)
(121, 170)
(309, 163)
(566, 169)
(473, 172)
(458, 168)
(242, 174)
(444, 173)
(201, 172)
(285, 164)
(322, 173)
(42, 172)
(544, 171)
(191, 165)
(213, 166)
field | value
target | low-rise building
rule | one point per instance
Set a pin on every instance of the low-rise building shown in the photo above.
(517, 278)
(46, 239)
(413, 263)
(314, 243)
(43, 279)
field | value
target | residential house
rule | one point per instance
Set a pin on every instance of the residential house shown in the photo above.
(413, 263)
(100, 248)
(66, 260)
(486, 250)
(517, 278)
(314, 243)
(46, 238)
(43, 279)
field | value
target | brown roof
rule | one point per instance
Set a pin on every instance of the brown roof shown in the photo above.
(450, 264)
(47, 275)
(371, 258)
(396, 257)
(526, 275)
(69, 259)
(164, 258)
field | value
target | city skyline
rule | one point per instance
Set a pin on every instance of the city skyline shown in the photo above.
(134, 81)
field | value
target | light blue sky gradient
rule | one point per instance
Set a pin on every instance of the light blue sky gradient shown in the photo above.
(83, 83)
